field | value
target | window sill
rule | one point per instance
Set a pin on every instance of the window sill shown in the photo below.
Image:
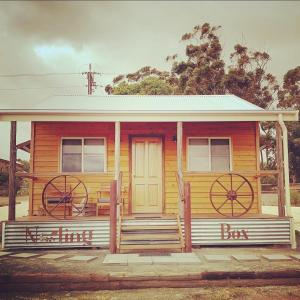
(87, 173)
(199, 173)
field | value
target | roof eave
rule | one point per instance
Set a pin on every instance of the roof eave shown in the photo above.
(147, 116)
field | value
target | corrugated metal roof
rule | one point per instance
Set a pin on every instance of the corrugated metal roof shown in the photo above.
(136, 103)
(129, 108)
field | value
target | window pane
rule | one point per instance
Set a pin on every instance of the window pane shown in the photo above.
(220, 155)
(94, 163)
(94, 146)
(71, 163)
(71, 155)
(198, 147)
(219, 147)
(198, 164)
(71, 146)
(198, 155)
(93, 155)
(220, 163)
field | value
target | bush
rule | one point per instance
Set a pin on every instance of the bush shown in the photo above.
(4, 178)
(295, 198)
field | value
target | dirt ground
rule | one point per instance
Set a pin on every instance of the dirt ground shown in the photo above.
(257, 293)
(11, 265)
(4, 200)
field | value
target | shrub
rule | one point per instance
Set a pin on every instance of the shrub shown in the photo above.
(295, 198)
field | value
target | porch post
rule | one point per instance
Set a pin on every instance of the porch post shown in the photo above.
(12, 172)
(179, 163)
(117, 163)
(279, 161)
(287, 179)
(117, 150)
(187, 218)
(113, 218)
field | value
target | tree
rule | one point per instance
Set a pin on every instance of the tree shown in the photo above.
(247, 77)
(4, 177)
(202, 71)
(289, 97)
(25, 164)
(147, 86)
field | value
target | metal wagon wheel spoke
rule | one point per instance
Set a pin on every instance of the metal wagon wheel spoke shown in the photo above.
(241, 204)
(222, 185)
(240, 185)
(51, 183)
(243, 199)
(222, 204)
(65, 191)
(56, 205)
(74, 188)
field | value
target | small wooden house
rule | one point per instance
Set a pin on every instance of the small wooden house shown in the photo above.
(148, 172)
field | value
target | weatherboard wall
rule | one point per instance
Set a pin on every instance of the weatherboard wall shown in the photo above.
(46, 152)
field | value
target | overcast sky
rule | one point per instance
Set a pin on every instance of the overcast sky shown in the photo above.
(122, 36)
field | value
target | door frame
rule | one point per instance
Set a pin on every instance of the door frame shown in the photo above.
(130, 140)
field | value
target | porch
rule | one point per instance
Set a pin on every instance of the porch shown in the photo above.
(91, 232)
(201, 168)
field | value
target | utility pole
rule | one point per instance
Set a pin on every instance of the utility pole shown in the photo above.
(91, 84)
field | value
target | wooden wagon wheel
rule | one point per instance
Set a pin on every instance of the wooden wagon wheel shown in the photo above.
(64, 196)
(231, 195)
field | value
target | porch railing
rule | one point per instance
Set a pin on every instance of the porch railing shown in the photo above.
(119, 208)
(184, 191)
(115, 213)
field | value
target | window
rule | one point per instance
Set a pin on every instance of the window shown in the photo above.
(83, 155)
(208, 154)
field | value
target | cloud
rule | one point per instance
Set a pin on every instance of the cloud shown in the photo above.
(122, 36)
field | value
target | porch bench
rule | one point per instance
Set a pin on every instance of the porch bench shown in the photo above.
(103, 199)
(53, 201)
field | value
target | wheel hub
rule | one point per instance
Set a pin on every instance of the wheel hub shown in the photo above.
(66, 198)
(231, 195)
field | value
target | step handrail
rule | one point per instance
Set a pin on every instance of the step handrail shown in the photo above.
(181, 239)
(180, 184)
(184, 191)
(113, 217)
(119, 210)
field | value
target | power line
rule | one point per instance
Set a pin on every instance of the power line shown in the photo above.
(40, 88)
(36, 74)
(48, 74)
(49, 87)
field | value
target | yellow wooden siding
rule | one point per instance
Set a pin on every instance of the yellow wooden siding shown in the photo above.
(47, 149)
(47, 146)
(244, 160)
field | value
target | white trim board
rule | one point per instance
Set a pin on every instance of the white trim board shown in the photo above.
(147, 116)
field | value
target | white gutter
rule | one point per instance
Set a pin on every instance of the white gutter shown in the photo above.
(145, 116)
(287, 178)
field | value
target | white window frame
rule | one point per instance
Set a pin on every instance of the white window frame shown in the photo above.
(82, 145)
(209, 153)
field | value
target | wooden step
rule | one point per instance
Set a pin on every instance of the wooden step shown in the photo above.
(147, 223)
(149, 217)
(146, 234)
(149, 236)
(150, 246)
(149, 227)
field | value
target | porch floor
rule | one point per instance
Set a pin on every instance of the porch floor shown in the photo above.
(137, 216)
